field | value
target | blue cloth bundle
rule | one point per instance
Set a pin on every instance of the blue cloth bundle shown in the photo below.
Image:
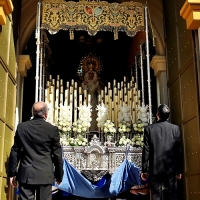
(124, 177)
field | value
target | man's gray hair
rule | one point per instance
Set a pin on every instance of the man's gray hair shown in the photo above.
(39, 109)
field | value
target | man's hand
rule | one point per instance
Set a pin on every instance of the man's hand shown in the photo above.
(13, 181)
(58, 182)
(144, 176)
(179, 176)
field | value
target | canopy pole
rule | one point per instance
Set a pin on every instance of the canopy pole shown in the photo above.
(41, 69)
(148, 66)
(136, 71)
(142, 74)
(37, 36)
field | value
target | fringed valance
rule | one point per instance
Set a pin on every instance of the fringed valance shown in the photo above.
(92, 16)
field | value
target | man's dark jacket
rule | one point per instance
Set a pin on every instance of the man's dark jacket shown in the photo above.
(162, 149)
(37, 150)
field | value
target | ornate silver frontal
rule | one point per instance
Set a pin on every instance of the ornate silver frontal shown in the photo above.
(96, 160)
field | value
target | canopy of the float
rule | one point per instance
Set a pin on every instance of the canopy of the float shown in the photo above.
(92, 16)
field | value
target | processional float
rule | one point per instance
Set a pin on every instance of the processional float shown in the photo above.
(67, 99)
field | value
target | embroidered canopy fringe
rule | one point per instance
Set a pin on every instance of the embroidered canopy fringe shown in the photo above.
(123, 178)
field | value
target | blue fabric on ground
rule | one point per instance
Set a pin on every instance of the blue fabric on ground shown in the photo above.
(124, 177)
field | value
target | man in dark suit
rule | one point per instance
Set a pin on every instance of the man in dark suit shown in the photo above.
(162, 155)
(36, 156)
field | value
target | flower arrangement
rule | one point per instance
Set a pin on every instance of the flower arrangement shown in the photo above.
(80, 127)
(78, 141)
(138, 127)
(138, 140)
(123, 141)
(102, 114)
(138, 137)
(109, 128)
(124, 127)
(64, 126)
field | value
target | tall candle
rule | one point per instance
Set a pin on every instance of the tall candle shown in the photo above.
(75, 86)
(105, 90)
(114, 83)
(109, 86)
(72, 82)
(113, 114)
(61, 82)
(67, 85)
(89, 99)
(118, 86)
(66, 96)
(124, 79)
(61, 98)
(85, 95)
(61, 89)
(75, 105)
(80, 100)
(80, 90)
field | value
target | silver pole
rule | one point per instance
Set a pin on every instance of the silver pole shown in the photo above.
(148, 66)
(41, 63)
(37, 35)
(136, 71)
(142, 74)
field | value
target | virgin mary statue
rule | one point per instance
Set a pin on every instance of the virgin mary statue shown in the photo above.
(92, 83)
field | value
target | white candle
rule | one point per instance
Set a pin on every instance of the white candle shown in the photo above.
(80, 100)
(72, 82)
(67, 85)
(108, 85)
(89, 98)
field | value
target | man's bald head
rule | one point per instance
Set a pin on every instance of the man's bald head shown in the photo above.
(40, 109)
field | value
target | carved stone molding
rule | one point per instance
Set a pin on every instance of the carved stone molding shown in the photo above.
(158, 64)
(191, 13)
(24, 64)
(6, 7)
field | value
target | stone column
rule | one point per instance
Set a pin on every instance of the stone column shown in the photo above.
(158, 64)
(24, 63)
(6, 7)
